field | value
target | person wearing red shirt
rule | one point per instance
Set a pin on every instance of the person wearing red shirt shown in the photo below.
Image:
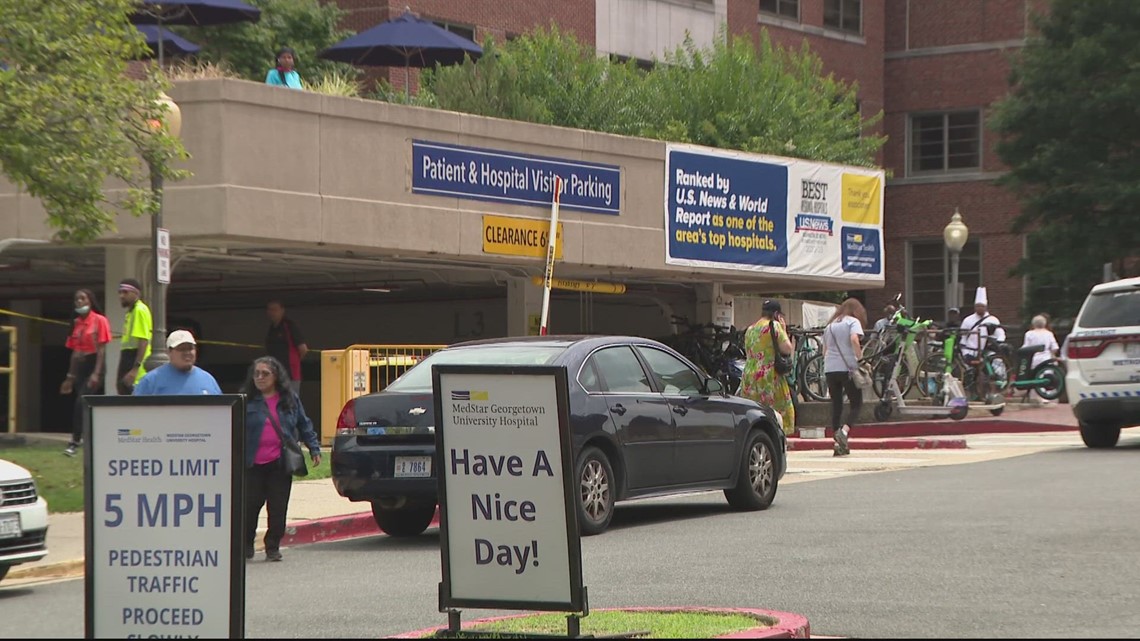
(90, 334)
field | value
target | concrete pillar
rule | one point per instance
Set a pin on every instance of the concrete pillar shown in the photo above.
(120, 263)
(29, 357)
(524, 307)
(714, 305)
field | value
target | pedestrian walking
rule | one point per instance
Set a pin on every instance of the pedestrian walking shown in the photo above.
(137, 328)
(764, 342)
(90, 334)
(180, 376)
(284, 74)
(842, 349)
(274, 420)
(285, 342)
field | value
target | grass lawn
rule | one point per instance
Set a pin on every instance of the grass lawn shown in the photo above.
(59, 478)
(655, 625)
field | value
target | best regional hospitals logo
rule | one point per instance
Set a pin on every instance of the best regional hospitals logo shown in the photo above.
(468, 395)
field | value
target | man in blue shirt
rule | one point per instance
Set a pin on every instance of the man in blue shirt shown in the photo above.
(180, 376)
(284, 75)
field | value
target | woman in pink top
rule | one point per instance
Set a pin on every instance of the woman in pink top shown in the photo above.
(273, 411)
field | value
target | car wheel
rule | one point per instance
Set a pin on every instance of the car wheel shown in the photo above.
(595, 491)
(756, 481)
(410, 520)
(1100, 435)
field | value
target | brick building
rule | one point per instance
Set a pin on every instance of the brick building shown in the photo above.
(933, 67)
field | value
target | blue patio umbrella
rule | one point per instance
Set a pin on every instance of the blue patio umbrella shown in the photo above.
(407, 41)
(171, 42)
(202, 13)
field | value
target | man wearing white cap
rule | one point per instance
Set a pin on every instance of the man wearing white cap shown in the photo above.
(180, 376)
(975, 342)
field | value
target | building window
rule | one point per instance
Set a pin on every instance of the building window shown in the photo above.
(845, 15)
(457, 29)
(946, 142)
(930, 277)
(782, 8)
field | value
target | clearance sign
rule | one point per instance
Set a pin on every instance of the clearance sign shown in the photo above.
(509, 236)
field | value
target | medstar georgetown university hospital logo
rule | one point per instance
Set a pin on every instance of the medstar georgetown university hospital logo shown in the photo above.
(468, 395)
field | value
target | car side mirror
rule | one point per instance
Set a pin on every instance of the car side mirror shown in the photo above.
(714, 386)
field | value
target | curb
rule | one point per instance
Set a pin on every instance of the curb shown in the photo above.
(945, 427)
(58, 570)
(788, 625)
(917, 443)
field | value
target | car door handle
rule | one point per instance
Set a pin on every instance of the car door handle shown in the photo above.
(680, 409)
(618, 409)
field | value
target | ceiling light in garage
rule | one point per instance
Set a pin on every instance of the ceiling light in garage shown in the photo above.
(382, 290)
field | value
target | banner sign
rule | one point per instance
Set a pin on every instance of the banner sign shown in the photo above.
(509, 177)
(163, 516)
(508, 507)
(740, 211)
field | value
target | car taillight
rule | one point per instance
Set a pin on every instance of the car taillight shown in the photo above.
(1080, 348)
(346, 422)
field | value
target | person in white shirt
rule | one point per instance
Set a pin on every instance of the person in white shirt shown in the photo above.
(974, 343)
(1041, 335)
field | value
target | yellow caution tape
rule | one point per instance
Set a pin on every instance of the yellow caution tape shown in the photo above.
(8, 312)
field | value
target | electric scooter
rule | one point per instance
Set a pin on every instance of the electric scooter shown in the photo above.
(1047, 378)
(950, 397)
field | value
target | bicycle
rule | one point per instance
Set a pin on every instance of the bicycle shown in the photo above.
(983, 377)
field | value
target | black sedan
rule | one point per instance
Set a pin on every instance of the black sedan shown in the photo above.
(644, 422)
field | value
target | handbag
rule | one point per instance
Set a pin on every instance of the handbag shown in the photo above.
(860, 375)
(292, 460)
(783, 364)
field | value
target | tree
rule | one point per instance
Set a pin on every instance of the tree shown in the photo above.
(1070, 134)
(248, 48)
(71, 118)
(733, 95)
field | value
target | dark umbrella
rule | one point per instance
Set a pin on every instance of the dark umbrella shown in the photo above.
(173, 43)
(200, 13)
(407, 41)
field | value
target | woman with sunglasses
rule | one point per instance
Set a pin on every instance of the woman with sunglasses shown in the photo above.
(273, 413)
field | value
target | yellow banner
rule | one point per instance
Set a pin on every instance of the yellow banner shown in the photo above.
(860, 199)
(582, 285)
(518, 236)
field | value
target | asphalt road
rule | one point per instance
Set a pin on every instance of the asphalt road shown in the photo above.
(1042, 545)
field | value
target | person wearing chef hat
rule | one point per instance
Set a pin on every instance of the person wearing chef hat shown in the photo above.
(978, 325)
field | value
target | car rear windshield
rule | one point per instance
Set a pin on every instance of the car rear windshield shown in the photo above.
(1112, 309)
(419, 377)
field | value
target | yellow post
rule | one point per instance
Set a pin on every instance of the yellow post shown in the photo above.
(10, 370)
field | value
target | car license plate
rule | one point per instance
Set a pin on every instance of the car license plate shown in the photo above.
(10, 526)
(1132, 350)
(376, 431)
(413, 467)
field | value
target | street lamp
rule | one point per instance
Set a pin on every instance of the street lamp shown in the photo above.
(955, 235)
(161, 274)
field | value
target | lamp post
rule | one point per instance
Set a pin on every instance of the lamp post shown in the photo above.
(955, 235)
(160, 243)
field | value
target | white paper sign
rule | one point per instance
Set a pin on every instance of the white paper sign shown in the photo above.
(507, 534)
(162, 252)
(161, 521)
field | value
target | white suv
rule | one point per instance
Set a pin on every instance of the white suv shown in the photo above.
(23, 518)
(1103, 358)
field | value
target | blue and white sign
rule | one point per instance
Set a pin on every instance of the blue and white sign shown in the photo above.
(164, 517)
(510, 177)
(750, 212)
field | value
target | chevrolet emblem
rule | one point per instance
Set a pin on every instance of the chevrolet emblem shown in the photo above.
(416, 411)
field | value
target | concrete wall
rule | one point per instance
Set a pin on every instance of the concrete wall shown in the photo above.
(648, 29)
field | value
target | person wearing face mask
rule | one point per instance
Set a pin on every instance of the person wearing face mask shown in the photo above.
(90, 334)
(137, 326)
(284, 75)
(180, 376)
(274, 416)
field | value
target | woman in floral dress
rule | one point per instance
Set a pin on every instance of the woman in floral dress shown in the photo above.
(761, 382)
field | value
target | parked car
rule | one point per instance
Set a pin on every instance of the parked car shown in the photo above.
(644, 421)
(23, 518)
(1102, 354)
